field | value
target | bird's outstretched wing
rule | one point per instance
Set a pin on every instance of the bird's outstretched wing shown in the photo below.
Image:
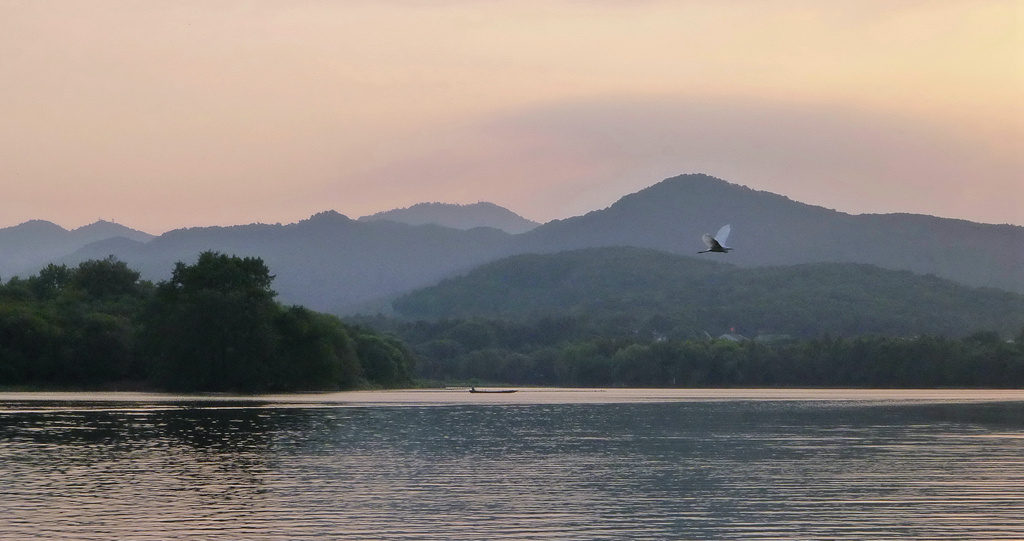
(723, 234)
(709, 240)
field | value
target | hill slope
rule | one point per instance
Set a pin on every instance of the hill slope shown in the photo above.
(641, 290)
(769, 229)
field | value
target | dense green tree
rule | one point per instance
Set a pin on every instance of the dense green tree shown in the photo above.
(29, 345)
(568, 357)
(214, 326)
(50, 281)
(104, 278)
(16, 290)
(315, 351)
(385, 360)
(211, 326)
(72, 326)
(99, 347)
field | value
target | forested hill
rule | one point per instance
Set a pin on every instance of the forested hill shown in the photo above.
(770, 229)
(632, 290)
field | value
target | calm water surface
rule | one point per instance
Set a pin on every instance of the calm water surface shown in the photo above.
(538, 464)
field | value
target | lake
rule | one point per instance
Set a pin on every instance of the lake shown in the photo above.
(536, 464)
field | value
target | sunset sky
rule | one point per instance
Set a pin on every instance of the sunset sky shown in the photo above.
(161, 114)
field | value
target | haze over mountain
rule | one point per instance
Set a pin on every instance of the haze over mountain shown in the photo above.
(481, 214)
(770, 229)
(327, 262)
(332, 263)
(26, 247)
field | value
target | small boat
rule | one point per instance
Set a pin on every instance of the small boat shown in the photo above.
(492, 391)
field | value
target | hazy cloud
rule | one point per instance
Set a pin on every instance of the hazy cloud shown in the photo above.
(564, 159)
(168, 113)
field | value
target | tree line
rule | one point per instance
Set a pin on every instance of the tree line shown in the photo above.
(213, 326)
(567, 352)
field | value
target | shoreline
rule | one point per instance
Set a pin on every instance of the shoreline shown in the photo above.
(524, 396)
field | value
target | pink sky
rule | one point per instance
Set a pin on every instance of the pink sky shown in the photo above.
(164, 114)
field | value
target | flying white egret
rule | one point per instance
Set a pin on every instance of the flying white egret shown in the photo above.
(717, 243)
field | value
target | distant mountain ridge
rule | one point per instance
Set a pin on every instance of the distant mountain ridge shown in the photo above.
(327, 262)
(26, 247)
(456, 216)
(332, 263)
(770, 229)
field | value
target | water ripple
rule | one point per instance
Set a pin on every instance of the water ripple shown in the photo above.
(686, 470)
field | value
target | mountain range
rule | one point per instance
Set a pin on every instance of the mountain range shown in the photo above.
(27, 247)
(332, 263)
(770, 229)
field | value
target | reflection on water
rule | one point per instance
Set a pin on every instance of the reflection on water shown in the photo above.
(512, 469)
